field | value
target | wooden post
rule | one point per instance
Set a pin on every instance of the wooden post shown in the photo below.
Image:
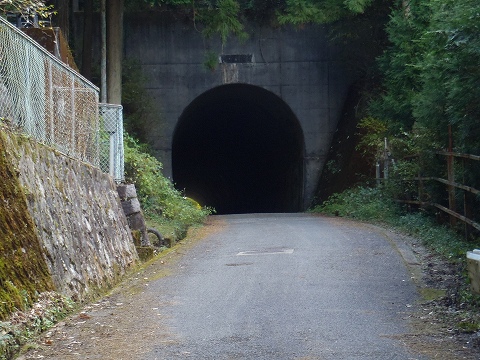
(467, 209)
(421, 190)
(451, 177)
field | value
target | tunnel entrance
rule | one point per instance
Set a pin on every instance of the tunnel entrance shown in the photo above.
(239, 148)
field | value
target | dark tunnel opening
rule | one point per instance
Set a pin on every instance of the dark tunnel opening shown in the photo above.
(239, 148)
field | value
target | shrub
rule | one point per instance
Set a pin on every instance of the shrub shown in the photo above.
(363, 203)
(161, 202)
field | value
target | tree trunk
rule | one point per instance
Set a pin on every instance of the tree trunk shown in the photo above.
(63, 17)
(87, 39)
(114, 51)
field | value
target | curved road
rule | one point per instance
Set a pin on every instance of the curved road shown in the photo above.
(263, 287)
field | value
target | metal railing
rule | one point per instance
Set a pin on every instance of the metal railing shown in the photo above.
(44, 98)
(111, 141)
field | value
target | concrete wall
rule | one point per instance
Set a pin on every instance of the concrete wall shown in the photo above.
(299, 66)
(77, 214)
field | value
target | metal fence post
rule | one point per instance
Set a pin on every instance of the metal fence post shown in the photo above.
(51, 139)
(72, 104)
(111, 148)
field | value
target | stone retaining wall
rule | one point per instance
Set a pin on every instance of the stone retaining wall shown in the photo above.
(77, 214)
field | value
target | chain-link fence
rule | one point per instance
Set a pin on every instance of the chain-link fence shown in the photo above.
(44, 98)
(111, 141)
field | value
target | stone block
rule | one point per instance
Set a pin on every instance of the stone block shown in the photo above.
(126, 191)
(473, 266)
(136, 221)
(131, 206)
(145, 252)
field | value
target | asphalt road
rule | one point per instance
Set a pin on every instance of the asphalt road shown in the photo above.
(258, 287)
(286, 286)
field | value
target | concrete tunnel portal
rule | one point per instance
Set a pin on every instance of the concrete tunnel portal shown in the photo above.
(239, 148)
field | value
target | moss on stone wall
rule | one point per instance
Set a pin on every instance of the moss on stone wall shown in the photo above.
(23, 270)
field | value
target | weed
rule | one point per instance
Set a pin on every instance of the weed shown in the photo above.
(362, 203)
(211, 60)
(468, 326)
(50, 308)
(165, 207)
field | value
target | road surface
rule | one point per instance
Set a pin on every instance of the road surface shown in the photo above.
(263, 287)
(288, 287)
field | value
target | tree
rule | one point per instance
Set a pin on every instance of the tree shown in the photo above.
(227, 17)
(87, 39)
(63, 17)
(26, 7)
(430, 71)
(301, 12)
(114, 51)
(450, 74)
(398, 65)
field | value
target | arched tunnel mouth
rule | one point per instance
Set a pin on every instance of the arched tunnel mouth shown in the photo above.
(239, 149)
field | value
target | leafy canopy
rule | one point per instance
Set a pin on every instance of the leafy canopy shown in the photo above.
(227, 17)
(431, 72)
(26, 7)
(300, 12)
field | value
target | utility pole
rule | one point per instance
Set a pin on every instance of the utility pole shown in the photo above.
(114, 11)
(103, 62)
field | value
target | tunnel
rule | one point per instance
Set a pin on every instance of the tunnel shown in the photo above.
(239, 149)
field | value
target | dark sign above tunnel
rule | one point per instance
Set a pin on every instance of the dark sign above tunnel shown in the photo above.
(236, 58)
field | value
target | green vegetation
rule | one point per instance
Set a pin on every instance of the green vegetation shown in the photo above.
(425, 86)
(223, 20)
(23, 271)
(227, 18)
(362, 203)
(429, 77)
(26, 7)
(165, 207)
(429, 84)
(211, 60)
(49, 309)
